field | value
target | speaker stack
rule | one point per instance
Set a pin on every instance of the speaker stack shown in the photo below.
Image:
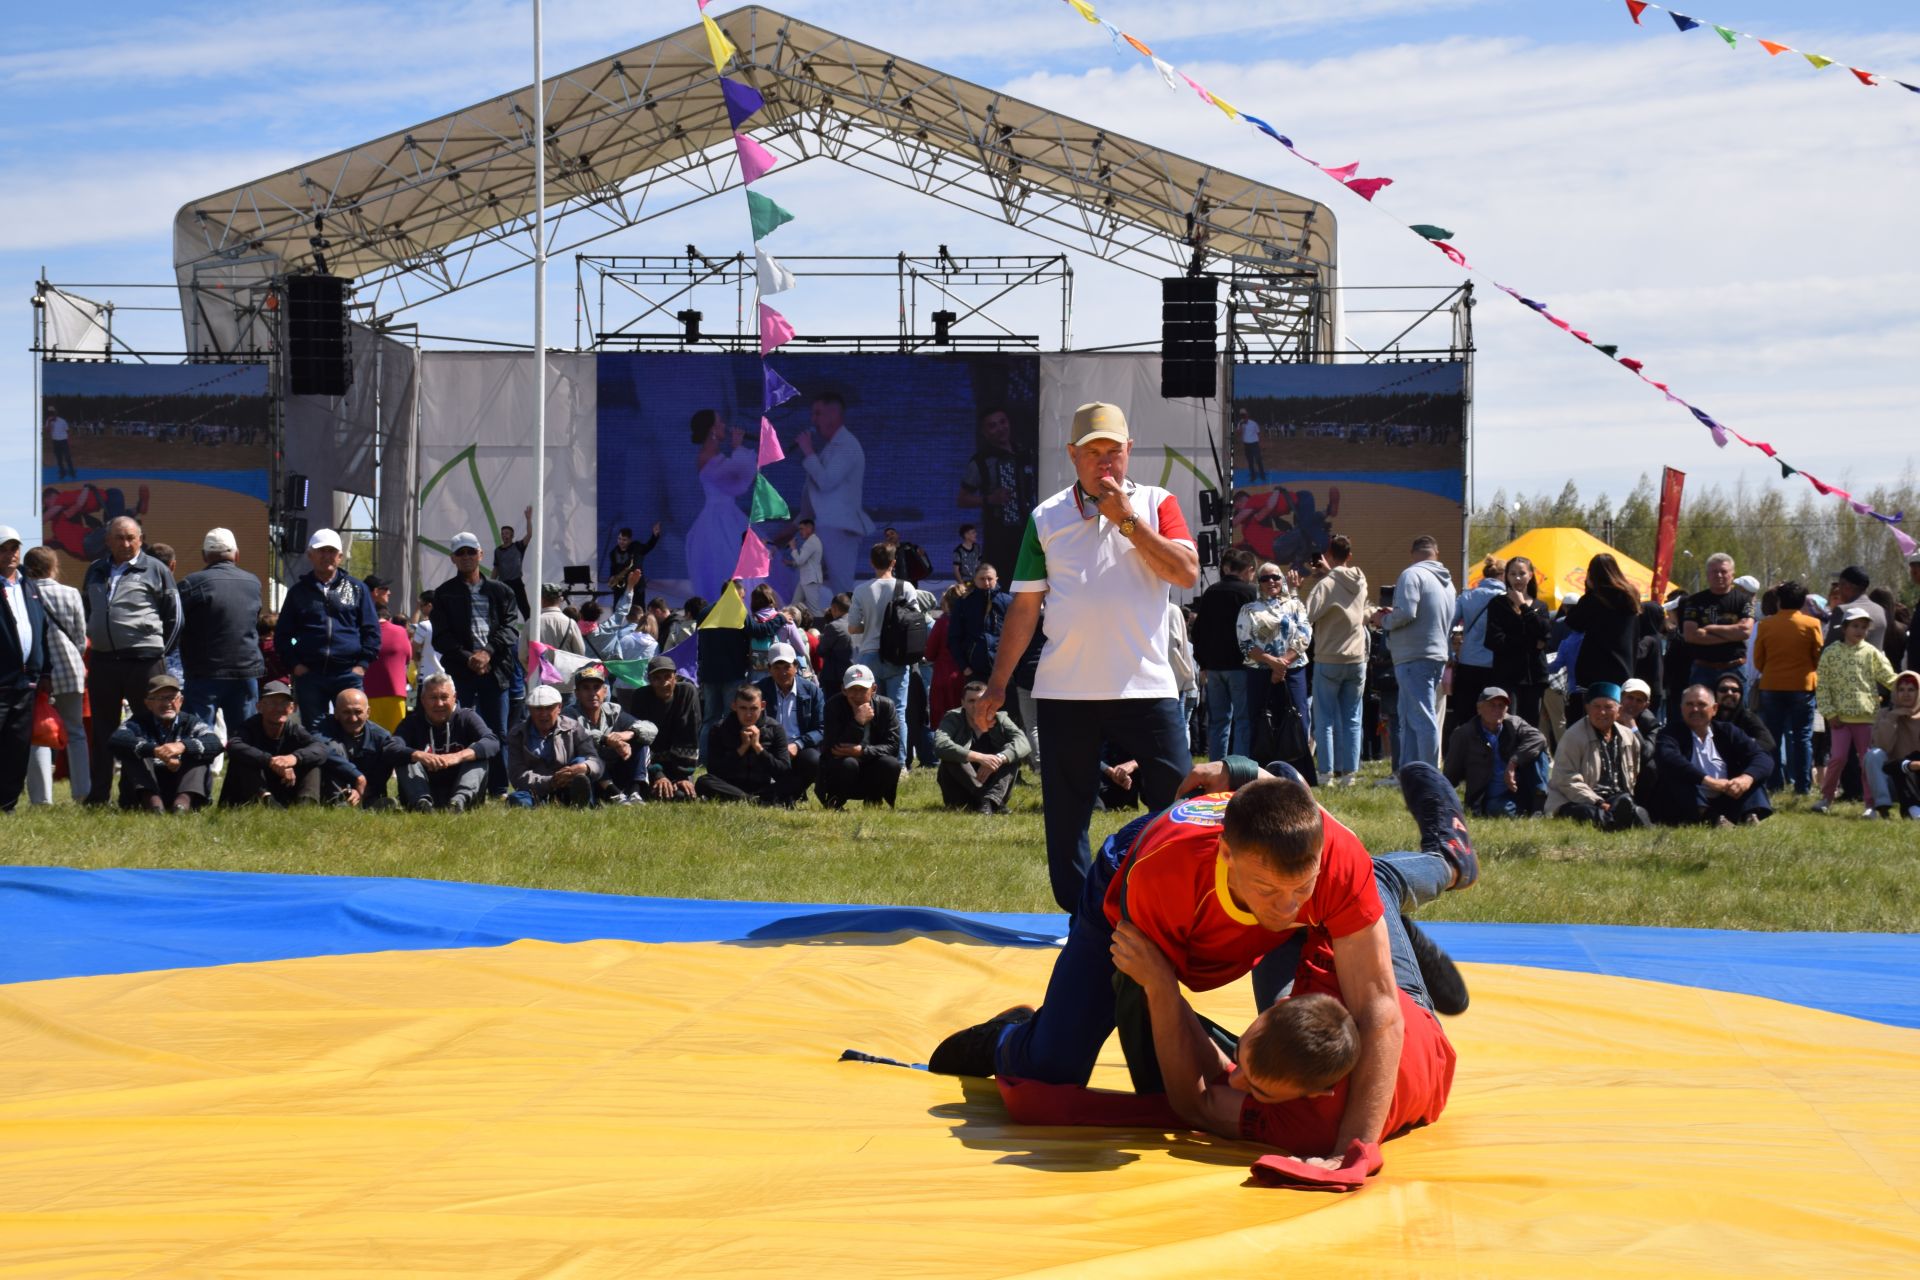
(1189, 337)
(314, 344)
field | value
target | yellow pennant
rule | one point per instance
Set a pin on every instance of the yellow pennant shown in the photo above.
(1084, 9)
(729, 613)
(1224, 105)
(717, 44)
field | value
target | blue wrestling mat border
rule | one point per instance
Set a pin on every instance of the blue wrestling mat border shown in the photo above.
(60, 922)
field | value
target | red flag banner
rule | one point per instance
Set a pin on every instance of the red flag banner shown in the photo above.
(1671, 483)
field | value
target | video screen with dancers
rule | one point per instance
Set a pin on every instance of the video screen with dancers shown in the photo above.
(1374, 451)
(181, 448)
(919, 443)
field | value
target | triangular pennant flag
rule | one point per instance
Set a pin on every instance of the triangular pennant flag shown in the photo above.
(1580, 334)
(1706, 420)
(1636, 8)
(742, 100)
(1343, 172)
(1817, 482)
(1682, 21)
(1731, 37)
(1762, 446)
(1085, 10)
(773, 277)
(1864, 77)
(1560, 324)
(1541, 307)
(1367, 188)
(729, 612)
(777, 389)
(1817, 61)
(1136, 44)
(686, 657)
(754, 561)
(633, 671)
(1167, 73)
(1430, 232)
(1786, 472)
(755, 159)
(765, 215)
(543, 668)
(1233, 112)
(1606, 348)
(776, 330)
(1774, 48)
(1632, 364)
(767, 503)
(1267, 129)
(1459, 259)
(1197, 87)
(1911, 88)
(770, 450)
(1907, 545)
(1861, 508)
(717, 44)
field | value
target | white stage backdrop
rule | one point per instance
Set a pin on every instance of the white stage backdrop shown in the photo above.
(1177, 444)
(475, 465)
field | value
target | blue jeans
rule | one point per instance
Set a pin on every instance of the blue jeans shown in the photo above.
(1229, 723)
(890, 681)
(1873, 773)
(313, 693)
(237, 699)
(1532, 795)
(1788, 716)
(1145, 729)
(1337, 689)
(1419, 710)
(487, 698)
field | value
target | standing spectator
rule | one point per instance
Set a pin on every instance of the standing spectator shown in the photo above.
(382, 592)
(836, 468)
(866, 623)
(1216, 648)
(1912, 662)
(477, 636)
(1597, 766)
(626, 555)
(1849, 589)
(1715, 624)
(1851, 674)
(635, 637)
(1275, 638)
(836, 646)
(1418, 626)
(1380, 708)
(551, 759)
(133, 619)
(808, 559)
(949, 682)
(164, 753)
(1337, 614)
(980, 755)
(1500, 759)
(1892, 768)
(861, 755)
(725, 659)
(426, 658)
(1250, 447)
(509, 563)
(328, 633)
(66, 637)
(747, 756)
(361, 754)
(967, 553)
(447, 748)
(1102, 553)
(386, 680)
(976, 621)
(1607, 619)
(800, 708)
(1707, 770)
(672, 706)
(1002, 481)
(1472, 658)
(219, 635)
(23, 665)
(910, 560)
(62, 436)
(1518, 629)
(554, 628)
(621, 740)
(272, 758)
(165, 555)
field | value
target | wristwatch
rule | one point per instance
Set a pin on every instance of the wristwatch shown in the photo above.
(1128, 525)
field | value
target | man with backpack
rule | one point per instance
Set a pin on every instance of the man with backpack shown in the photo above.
(888, 624)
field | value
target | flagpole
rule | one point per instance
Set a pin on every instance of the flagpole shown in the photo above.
(537, 534)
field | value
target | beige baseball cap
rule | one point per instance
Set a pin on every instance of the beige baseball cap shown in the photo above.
(1099, 421)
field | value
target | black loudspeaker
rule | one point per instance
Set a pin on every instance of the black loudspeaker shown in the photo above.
(293, 535)
(314, 344)
(1189, 337)
(1207, 543)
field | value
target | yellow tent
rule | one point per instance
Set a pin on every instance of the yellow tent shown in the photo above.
(1560, 559)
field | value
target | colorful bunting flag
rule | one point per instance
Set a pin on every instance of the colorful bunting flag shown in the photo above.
(1085, 10)
(767, 503)
(1367, 188)
(742, 100)
(755, 159)
(1864, 77)
(754, 562)
(1166, 73)
(686, 657)
(1145, 52)
(770, 450)
(1907, 545)
(544, 671)
(777, 389)
(1228, 107)
(729, 612)
(1197, 87)
(718, 45)
(776, 330)
(1636, 8)
(773, 277)
(633, 671)
(1631, 363)
(1454, 255)
(1682, 21)
(1818, 62)
(1606, 348)
(1911, 88)
(1774, 48)
(1267, 129)
(765, 214)
(1786, 472)
(1430, 232)
(1343, 172)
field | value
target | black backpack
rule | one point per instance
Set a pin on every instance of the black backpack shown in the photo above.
(903, 629)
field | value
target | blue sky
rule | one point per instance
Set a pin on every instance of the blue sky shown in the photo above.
(1741, 223)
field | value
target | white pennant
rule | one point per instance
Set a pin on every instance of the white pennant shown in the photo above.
(774, 278)
(1166, 73)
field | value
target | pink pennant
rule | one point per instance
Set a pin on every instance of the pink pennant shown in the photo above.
(775, 330)
(755, 159)
(770, 450)
(1582, 335)
(1762, 446)
(755, 560)
(1907, 545)
(1454, 255)
(1197, 87)
(1631, 363)
(1817, 482)
(544, 671)
(1367, 188)
(1861, 508)
(1343, 172)
(1557, 321)
(1719, 435)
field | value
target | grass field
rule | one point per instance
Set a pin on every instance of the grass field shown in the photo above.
(1798, 871)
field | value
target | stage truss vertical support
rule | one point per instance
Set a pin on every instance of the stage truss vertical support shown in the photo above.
(537, 541)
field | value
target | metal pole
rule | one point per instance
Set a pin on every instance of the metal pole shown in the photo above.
(536, 548)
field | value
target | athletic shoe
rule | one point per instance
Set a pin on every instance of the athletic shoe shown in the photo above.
(1820, 806)
(1722, 821)
(1445, 987)
(458, 804)
(1913, 811)
(1871, 814)
(1442, 823)
(969, 1051)
(423, 805)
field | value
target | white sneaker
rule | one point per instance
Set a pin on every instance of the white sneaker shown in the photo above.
(1820, 806)
(1871, 814)
(1913, 811)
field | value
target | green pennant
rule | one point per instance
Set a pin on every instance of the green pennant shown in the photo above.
(767, 502)
(1430, 231)
(632, 670)
(1786, 472)
(766, 215)
(1606, 348)
(1732, 39)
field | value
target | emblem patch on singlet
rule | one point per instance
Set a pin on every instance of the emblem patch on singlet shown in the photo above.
(1201, 811)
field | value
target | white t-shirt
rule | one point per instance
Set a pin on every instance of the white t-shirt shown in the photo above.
(1106, 607)
(429, 659)
(60, 428)
(1249, 432)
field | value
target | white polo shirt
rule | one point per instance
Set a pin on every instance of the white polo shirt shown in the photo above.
(1106, 618)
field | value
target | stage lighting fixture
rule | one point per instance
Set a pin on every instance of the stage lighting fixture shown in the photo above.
(690, 320)
(1211, 512)
(295, 491)
(943, 322)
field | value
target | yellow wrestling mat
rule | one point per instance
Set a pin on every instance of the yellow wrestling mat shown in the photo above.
(624, 1109)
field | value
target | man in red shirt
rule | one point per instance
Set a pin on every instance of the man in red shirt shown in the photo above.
(1215, 883)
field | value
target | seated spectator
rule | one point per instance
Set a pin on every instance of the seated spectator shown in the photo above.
(550, 758)
(861, 755)
(632, 634)
(1850, 676)
(273, 759)
(1596, 766)
(672, 706)
(1729, 693)
(362, 754)
(1636, 708)
(1892, 767)
(801, 710)
(1709, 770)
(836, 644)
(980, 754)
(164, 753)
(621, 740)
(747, 756)
(447, 749)
(1499, 758)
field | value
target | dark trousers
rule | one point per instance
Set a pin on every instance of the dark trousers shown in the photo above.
(16, 742)
(63, 460)
(314, 692)
(234, 697)
(1150, 730)
(958, 790)
(112, 680)
(519, 586)
(777, 791)
(468, 781)
(488, 699)
(862, 777)
(1709, 808)
(247, 783)
(140, 779)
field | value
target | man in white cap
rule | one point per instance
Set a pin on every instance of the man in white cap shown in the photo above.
(476, 631)
(1104, 554)
(799, 707)
(551, 759)
(328, 633)
(219, 634)
(23, 663)
(860, 751)
(133, 619)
